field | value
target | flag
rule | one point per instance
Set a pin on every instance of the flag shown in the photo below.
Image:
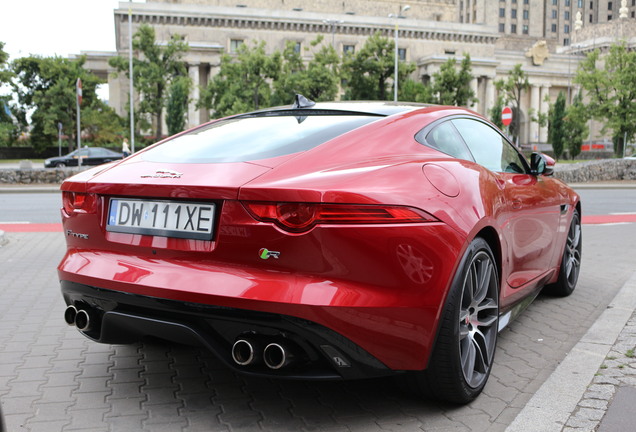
(78, 88)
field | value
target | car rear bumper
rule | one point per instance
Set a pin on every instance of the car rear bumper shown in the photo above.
(314, 351)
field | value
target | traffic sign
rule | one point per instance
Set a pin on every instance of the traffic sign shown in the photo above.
(506, 116)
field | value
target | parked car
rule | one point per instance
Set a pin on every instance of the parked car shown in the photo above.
(323, 241)
(89, 156)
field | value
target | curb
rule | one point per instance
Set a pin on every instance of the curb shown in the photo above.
(552, 405)
(29, 189)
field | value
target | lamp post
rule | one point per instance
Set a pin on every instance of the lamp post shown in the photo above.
(130, 69)
(403, 9)
(333, 23)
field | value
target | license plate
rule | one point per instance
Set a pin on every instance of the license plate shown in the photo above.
(189, 220)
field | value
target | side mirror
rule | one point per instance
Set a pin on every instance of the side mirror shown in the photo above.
(541, 164)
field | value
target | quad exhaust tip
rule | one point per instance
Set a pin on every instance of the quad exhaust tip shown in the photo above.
(69, 315)
(244, 352)
(249, 351)
(80, 318)
(276, 356)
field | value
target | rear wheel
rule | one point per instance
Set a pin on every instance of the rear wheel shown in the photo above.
(463, 355)
(570, 261)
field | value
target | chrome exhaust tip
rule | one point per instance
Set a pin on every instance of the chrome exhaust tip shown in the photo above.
(83, 320)
(244, 352)
(276, 356)
(69, 315)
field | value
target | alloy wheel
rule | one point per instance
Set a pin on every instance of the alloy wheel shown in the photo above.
(478, 319)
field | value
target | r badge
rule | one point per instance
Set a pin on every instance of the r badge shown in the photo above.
(266, 254)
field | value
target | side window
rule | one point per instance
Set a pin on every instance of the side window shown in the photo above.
(446, 139)
(489, 148)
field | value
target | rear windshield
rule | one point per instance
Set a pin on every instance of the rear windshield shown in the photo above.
(253, 138)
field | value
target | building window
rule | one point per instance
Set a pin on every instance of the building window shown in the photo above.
(526, 14)
(513, 13)
(525, 29)
(513, 28)
(566, 15)
(591, 18)
(297, 47)
(554, 13)
(567, 2)
(502, 12)
(348, 49)
(591, 5)
(502, 27)
(554, 28)
(235, 44)
(579, 4)
(526, 1)
(402, 54)
(554, 2)
(609, 17)
(566, 41)
(609, 5)
(566, 29)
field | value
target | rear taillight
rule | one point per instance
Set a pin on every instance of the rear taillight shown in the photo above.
(299, 217)
(77, 202)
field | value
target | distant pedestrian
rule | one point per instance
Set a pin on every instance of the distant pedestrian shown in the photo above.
(124, 148)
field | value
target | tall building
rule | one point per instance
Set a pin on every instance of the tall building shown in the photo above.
(498, 34)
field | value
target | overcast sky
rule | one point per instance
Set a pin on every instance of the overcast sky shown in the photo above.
(57, 27)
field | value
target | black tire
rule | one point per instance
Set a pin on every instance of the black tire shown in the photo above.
(60, 165)
(570, 261)
(464, 351)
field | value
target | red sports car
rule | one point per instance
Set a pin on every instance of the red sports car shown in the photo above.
(323, 241)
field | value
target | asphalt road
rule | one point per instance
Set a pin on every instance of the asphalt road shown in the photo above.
(44, 207)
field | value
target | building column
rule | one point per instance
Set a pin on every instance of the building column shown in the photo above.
(490, 95)
(533, 136)
(193, 113)
(545, 107)
(474, 86)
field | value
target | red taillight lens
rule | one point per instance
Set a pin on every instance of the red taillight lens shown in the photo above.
(299, 217)
(79, 202)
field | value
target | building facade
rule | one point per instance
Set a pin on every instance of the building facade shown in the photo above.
(498, 34)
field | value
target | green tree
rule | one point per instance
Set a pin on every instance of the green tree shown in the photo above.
(177, 105)
(556, 125)
(8, 128)
(369, 71)
(45, 87)
(495, 112)
(575, 126)
(610, 86)
(415, 91)
(317, 81)
(511, 89)
(243, 82)
(154, 70)
(452, 86)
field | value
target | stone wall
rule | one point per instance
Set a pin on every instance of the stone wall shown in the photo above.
(36, 176)
(601, 170)
(584, 172)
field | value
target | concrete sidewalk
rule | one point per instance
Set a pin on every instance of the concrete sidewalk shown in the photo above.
(580, 394)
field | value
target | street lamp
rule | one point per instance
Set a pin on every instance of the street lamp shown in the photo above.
(332, 23)
(403, 9)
